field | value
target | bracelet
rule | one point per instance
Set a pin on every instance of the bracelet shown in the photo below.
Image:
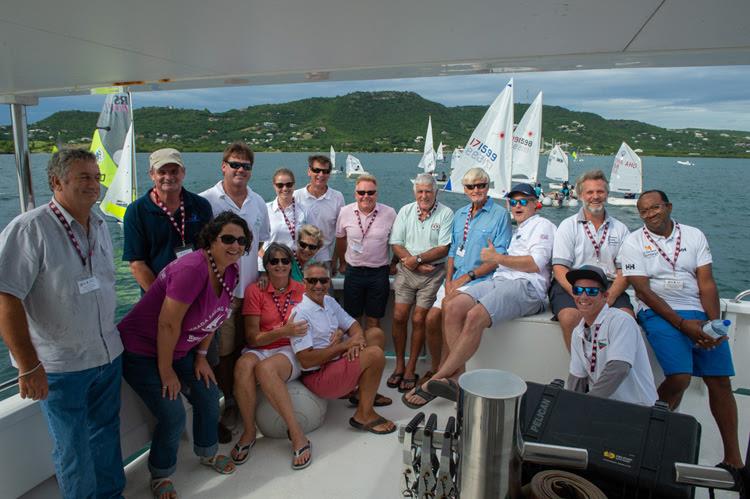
(202, 352)
(30, 370)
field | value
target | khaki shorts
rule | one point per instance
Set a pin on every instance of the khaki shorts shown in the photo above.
(410, 287)
(231, 334)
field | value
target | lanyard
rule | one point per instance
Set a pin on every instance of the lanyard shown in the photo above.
(223, 283)
(429, 213)
(663, 254)
(359, 221)
(69, 231)
(597, 246)
(291, 226)
(469, 217)
(594, 348)
(180, 229)
(282, 310)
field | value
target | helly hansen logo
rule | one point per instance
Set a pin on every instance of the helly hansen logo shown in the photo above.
(629, 266)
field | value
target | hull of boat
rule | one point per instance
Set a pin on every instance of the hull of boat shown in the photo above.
(621, 201)
(356, 174)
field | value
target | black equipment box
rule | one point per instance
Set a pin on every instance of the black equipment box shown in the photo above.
(632, 448)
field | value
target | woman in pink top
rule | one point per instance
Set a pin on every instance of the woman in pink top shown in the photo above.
(269, 358)
(166, 337)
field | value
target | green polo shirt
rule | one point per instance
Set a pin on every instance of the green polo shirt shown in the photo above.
(417, 236)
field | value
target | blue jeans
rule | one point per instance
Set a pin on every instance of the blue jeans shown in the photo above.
(83, 415)
(142, 374)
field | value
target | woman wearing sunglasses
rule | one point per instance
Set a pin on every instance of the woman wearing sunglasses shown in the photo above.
(268, 359)
(285, 215)
(309, 242)
(166, 337)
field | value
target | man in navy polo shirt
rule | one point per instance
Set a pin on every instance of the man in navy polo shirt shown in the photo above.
(163, 224)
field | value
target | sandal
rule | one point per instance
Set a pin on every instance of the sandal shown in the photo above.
(297, 453)
(426, 396)
(241, 450)
(220, 464)
(739, 485)
(447, 390)
(371, 426)
(408, 383)
(394, 380)
(427, 377)
(161, 486)
(380, 400)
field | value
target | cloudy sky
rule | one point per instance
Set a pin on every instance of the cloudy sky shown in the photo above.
(706, 97)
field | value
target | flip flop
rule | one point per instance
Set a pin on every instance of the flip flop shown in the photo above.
(371, 426)
(424, 379)
(408, 384)
(394, 380)
(297, 453)
(219, 464)
(380, 400)
(161, 486)
(426, 396)
(442, 389)
(241, 450)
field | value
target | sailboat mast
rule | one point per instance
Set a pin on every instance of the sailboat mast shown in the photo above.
(133, 176)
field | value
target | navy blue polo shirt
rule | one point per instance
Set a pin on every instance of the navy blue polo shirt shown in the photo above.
(150, 236)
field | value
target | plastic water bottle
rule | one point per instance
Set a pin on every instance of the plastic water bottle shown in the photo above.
(717, 328)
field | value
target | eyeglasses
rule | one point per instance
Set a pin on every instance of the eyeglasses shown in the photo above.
(316, 280)
(591, 291)
(369, 193)
(650, 209)
(281, 185)
(99, 177)
(230, 239)
(276, 261)
(236, 165)
(514, 202)
(311, 247)
(471, 187)
(324, 171)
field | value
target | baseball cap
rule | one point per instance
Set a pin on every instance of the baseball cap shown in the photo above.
(522, 188)
(588, 272)
(165, 156)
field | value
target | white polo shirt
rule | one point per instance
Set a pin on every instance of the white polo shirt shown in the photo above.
(280, 232)
(322, 322)
(254, 212)
(678, 287)
(322, 212)
(618, 338)
(535, 237)
(575, 248)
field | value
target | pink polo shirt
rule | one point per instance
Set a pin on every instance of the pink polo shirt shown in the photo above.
(366, 238)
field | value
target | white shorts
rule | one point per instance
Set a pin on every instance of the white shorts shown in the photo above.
(286, 350)
(441, 293)
(506, 299)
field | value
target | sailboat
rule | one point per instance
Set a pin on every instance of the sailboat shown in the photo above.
(427, 162)
(626, 177)
(489, 147)
(557, 167)
(439, 153)
(332, 155)
(113, 145)
(354, 167)
(526, 141)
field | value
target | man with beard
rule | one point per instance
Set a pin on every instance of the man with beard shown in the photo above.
(590, 237)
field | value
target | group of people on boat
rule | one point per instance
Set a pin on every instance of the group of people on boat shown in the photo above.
(236, 296)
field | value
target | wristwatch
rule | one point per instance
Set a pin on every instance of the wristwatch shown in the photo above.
(471, 275)
(419, 258)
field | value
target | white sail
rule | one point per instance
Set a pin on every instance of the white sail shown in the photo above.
(455, 156)
(627, 172)
(557, 165)
(526, 141)
(427, 163)
(333, 158)
(120, 192)
(489, 147)
(354, 167)
(439, 153)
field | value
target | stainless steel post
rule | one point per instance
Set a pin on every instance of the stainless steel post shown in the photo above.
(490, 456)
(21, 142)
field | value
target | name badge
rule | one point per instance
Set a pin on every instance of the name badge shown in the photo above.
(88, 285)
(183, 250)
(460, 251)
(673, 284)
(356, 247)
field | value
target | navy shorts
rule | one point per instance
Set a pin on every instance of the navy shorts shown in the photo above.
(677, 353)
(560, 299)
(366, 290)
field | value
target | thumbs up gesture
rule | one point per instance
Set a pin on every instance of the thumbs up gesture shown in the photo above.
(489, 254)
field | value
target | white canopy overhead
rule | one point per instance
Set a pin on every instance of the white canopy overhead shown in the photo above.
(66, 47)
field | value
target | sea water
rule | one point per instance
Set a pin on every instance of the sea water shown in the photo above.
(710, 195)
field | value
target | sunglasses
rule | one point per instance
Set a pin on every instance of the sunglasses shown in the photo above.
(591, 291)
(324, 171)
(514, 202)
(236, 165)
(311, 247)
(230, 239)
(369, 193)
(281, 185)
(316, 280)
(471, 187)
(276, 261)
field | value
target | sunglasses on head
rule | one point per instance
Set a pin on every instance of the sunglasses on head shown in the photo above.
(324, 171)
(316, 280)
(230, 239)
(236, 165)
(471, 187)
(522, 202)
(305, 245)
(590, 291)
(281, 185)
(369, 193)
(276, 261)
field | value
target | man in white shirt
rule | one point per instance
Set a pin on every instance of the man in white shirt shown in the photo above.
(233, 194)
(608, 357)
(669, 265)
(321, 204)
(591, 237)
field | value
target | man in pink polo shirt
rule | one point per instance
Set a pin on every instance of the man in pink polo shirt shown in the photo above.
(363, 230)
